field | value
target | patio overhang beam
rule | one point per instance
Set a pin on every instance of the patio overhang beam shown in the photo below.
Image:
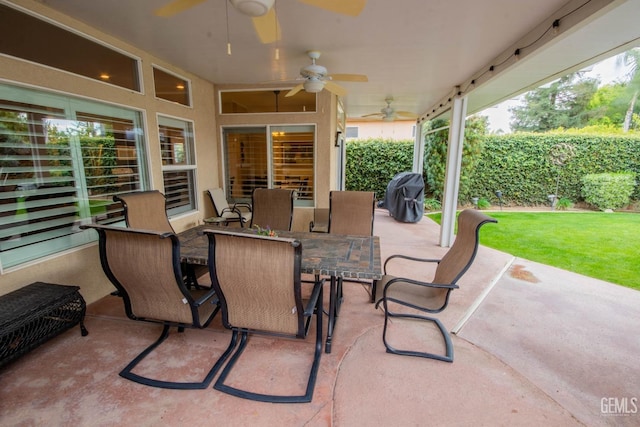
(574, 14)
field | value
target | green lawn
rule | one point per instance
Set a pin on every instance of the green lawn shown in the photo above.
(597, 244)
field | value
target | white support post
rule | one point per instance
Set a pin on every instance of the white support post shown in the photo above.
(452, 172)
(418, 150)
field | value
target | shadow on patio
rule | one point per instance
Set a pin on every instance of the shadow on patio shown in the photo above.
(534, 346)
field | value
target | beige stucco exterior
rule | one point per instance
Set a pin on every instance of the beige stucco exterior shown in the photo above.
(81, 266)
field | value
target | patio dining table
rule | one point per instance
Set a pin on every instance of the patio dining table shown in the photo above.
(323, 254)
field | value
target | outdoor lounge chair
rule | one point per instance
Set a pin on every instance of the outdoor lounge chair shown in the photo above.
(145, 268)
(272, 208)
(237, 212)
(431, 297)
(147, 210)
(258, 281)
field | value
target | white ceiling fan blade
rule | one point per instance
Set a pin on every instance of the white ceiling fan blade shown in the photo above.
(176, 7)
(294, 90)
(373, 115)
(267, 27)
(344, 7)
(349, 77)
(335, 88)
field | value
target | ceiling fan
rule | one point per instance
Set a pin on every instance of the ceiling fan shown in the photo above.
(389, 114)
(263, 13)
(316, 78)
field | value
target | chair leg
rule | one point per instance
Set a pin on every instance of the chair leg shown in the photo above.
(190, 278)
(126, 372)
(221, 386)
(448, 357)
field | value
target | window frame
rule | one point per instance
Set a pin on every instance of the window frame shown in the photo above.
(179, 78)
(189, 167)
(268, 129)
(126, 127)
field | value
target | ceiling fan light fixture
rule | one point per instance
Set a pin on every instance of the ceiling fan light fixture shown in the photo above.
(313, 85)
(252, 7)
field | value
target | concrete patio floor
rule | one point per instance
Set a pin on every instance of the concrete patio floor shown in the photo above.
(534, 345)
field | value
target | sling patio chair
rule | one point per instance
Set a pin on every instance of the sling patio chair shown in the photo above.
(147, 210)
(273, 208)
(351, 213)
(258, 281)
(237, 212)
(145, 268)
(320, 223)
(430, 297)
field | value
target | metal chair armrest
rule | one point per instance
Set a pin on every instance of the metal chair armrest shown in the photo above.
(204, 298)
(413, 282)
(239, 205)
(313, 300)
(407, 257)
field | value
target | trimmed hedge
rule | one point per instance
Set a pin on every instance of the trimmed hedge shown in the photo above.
(371, 164)
(520, 165)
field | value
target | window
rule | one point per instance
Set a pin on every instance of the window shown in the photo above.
(270, 156)
(266, 101)
(61, 161)
(170, 87)
(23, 36)
(178, 164)
(352, 132)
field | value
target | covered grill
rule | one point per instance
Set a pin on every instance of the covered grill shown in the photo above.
(405, 197)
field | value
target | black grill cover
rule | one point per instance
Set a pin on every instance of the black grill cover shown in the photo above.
(405, 197)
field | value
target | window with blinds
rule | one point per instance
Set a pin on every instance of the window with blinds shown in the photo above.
(270, 157)
(61, 162)
(245, 161)
(178, 164)
(292, 154)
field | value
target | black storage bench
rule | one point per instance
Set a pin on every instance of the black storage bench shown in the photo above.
(36, 313)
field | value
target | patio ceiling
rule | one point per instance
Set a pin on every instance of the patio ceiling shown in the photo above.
(415, 50)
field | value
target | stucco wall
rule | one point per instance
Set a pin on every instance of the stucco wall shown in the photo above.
(325, 120)
(81, 266)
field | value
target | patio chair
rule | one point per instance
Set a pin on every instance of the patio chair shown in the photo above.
(238, 212)
(320, 223)
(351, 213)
(431, 297)
(145, 268)
(263, 296)
(272, 208)
(147, 210)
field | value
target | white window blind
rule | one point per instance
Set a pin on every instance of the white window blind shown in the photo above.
(284, 160)
(61, 162)
(178, 164)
